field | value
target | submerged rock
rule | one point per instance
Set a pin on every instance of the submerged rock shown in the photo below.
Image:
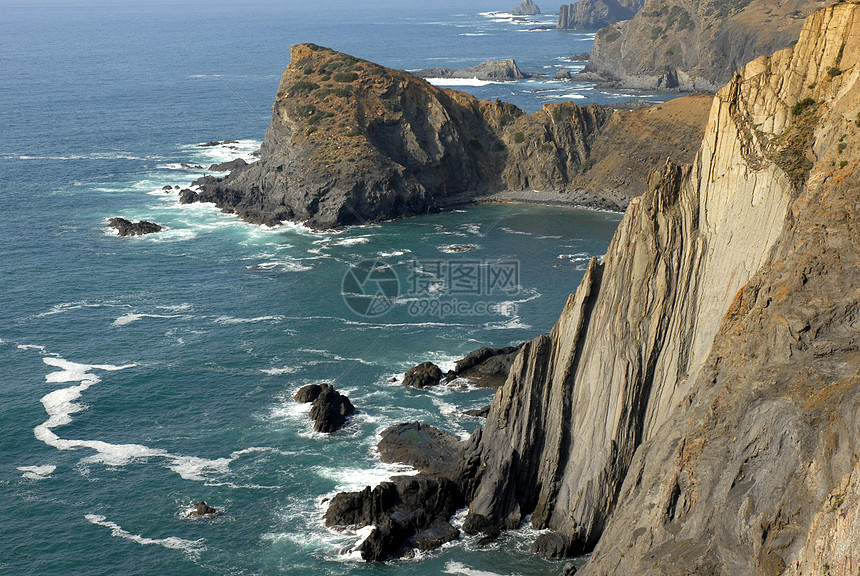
(421, 446)
(329, 410)
(203, 509)
(128, 228)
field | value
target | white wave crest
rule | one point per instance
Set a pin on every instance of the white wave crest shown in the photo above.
(459, 82)
(37, 472)
(189, 547)
(459, 568)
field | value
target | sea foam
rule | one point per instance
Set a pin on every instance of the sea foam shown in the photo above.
(189, 547)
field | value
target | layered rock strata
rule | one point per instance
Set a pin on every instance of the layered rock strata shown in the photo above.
(594, 14)
(695, 407)
(692, 45)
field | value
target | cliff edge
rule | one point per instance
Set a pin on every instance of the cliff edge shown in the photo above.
(351, 142)
(693, 45)
(695, 408)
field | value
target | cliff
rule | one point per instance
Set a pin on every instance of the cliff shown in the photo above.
(693, 44)
(352, 142)
(594, 14)
(695, 408)
(526, 8)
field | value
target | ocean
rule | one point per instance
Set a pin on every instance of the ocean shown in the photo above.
(141, 375)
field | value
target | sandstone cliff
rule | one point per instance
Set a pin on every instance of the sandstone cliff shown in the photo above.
(594, 14)
(693, 44)
(352, 142)
(695, 408)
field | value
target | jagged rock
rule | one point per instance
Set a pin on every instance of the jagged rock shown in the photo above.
(191, 167)
(423, 375)
(372, 144)
(526, 8)
(209, 144)
(128, 228)
(421, 446)
(230, 166)
(694, 408)
(568, 570)
(491, 70)
(486, 366)
(551, 545)
(678, 45)
(407, 512)
(166, 188)
(562, 75)
(581, 57)
(203, 509)
(330, 408)
(308, 393)
(480, 524)
(594, 14)
(188, 196)
(479, 412)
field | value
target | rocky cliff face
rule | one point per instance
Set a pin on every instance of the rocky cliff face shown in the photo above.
(352, 142)
(594, 14)
(693, 44)
(526, 8)
(695, 408)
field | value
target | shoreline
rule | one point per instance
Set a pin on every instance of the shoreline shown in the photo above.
(581, 200)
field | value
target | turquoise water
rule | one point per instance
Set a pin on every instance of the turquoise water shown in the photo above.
(141, 375)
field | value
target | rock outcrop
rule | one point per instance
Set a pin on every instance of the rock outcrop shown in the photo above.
(352, 142)
(487, 367)
(125, 227)
(594, 14)
(329, 408)
(526, 8)
(203, 509)
(692, 45)
(236, 164)
(491, 70)
(423, 447)
(695, 408)
(423, 375)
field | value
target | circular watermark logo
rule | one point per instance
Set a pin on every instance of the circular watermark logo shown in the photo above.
(370, 288)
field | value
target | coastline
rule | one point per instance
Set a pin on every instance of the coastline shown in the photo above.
(575, 199)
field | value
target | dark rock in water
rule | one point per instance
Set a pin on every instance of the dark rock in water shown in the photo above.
(308, 393)
(423, 375)
(187, 196)
(190, 167)
(486, 366)
(457, 248)
(437, 534)
(128, 228)
(166, 188)
(421, 446)
(330, 409)
(228, 166)
(490, 71)
(407, 512)
(230, 142)
(562, 75)
(568, 570)
(551, 545)
(478, 412)
(480, 524)
(203, 509)
(527, 8)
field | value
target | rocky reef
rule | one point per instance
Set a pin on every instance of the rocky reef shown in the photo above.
(329, 408)
(125, 227)
(692, 46)
(351, 142)
(695, 408)
(594, 14)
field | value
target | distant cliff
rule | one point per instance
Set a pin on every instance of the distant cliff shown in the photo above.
(527, 8)
(594, 14)
(693, 44)
(352, 142)
(696, 408)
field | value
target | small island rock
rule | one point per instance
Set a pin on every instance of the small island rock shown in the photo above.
(128, 228)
